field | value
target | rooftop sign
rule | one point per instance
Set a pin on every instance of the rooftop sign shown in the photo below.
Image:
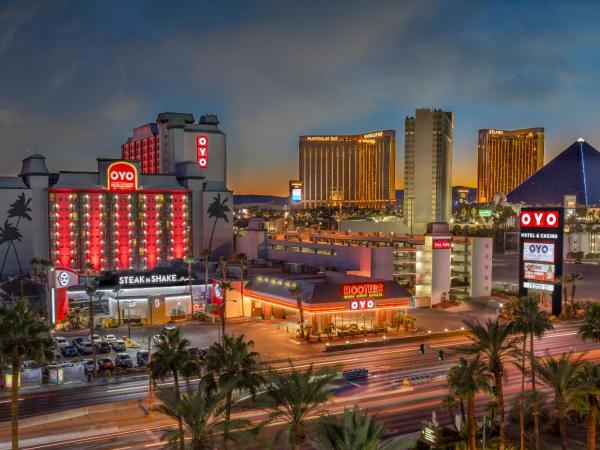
(353, 291)
(122, 176)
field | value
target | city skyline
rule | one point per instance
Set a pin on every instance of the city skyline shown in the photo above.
(103, 71)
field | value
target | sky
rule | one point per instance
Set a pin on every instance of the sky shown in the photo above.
(77, 76)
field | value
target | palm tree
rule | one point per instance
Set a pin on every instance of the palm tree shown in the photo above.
(9, 234)
(296, 396)
(172, 352)
(494, 343)
(225, 287)
(117, 291)
(91, 292)
(205, 257)
(241, 257)
(449, 403)
(223, 261)
(201, 415)
(560, 375)
(590, 329)
(189, 261)
(466, 380)
(575, 278)
(236, 367)
(530, 321)
(34, 267)
(585, 396)
(217, 210)
(297, 291)
(353, 430)
(564, 281)
(23, 335)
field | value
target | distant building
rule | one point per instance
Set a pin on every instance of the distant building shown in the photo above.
(355, 170)
(463, 195)
(506, 158)
(427, 168)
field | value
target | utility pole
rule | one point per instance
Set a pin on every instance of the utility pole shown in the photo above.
(149, 376)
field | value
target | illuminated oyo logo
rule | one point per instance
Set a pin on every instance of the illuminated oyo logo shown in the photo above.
(122, 176)
(362, 304)
(539, 219)
(202, 151)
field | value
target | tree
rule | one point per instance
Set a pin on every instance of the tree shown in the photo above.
(224, 261)
(172, 352)
(91, 292)
(297, 291)
(205, 257)
(353, 430)
(189, 261)
(226, 286)
(397, 321)
(241, 257)
(23, 335)
(590, 329)
(494, 343)
(530, 321)
(450, 403)
(217, 210)
(9, 234)
(466, 380)
(585, 397)
(575, 278)
(296, 396)
(560, 375)
(236, 367)
(117, 291)
(201, 415)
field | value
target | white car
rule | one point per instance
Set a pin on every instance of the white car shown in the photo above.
(110, 338)
(60, 342)
(97, 339)
(156, 339)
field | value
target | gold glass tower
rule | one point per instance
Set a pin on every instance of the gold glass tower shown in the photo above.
(355, 170)
(506, 158)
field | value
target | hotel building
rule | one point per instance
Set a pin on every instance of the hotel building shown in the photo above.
(354, 170)
(428, 138)
(506, 158)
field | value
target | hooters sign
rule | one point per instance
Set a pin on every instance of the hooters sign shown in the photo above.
(202, 151)
(122, 176)
(539, 219)
(351, 291)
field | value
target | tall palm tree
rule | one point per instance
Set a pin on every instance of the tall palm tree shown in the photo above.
(224, 261)
(201, 415)
(236, 367)
(19, 209)
(205, 257)
(226, 286)
(296, 290)
(585, 396)
(172, 352)
(23, 335)
(560, 375)
(495, 343)
(296, 396)
(91, 292)
(9, 234)
(189, 261)
(450, 403)
(531, 322)
(241, 257)
(466, 380)
(575, 278)
(590, 329)
(352, 431)
(217, 210)
(117, 291)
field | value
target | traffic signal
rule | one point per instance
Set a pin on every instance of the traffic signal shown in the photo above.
(494, 391)
(441, 355)
(462, 363)
(422, 349)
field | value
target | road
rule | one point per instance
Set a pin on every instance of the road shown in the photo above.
(403, 408)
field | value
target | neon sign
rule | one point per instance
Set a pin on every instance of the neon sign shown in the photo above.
(442, 244)
(122, 176)
(202, 151)
(539, 219)
(352, 291)
(362, 304)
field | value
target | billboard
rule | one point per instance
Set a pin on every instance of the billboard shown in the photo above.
(538, 251)
(353, 291)
(539, 272)
(202, 151)
(122, 176)
(541, 253)
(296, 195)
(441, 244)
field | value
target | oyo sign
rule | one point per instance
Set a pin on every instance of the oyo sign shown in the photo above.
(539, 219)
(353, 291)
(122, 176)
(202, 151)
(442, 244)
(362, 304)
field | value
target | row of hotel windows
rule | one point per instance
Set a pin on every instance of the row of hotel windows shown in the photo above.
(314, 251)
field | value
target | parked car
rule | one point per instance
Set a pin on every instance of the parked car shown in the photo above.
(60, 342)
(123, 360)
(110, 338)
(88, 365)
(199, 353)
(164, 330)
(77, 341)
(102, 347)
(105, 363)
(69, 351)
(85, 348)
(155, 339)
(142, 357)
(118, 345)
(97, 338)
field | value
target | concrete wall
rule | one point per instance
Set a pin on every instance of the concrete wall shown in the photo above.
(17, 251)
(481, 267)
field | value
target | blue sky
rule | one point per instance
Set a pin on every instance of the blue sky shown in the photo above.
(77, 76)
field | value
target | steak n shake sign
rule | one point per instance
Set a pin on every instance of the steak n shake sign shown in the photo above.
(144, 279)
(122, 176)
(541, 252)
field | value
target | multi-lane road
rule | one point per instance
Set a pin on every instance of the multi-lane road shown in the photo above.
(404, 408)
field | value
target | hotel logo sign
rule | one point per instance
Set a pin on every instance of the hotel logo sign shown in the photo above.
(354, 291)
(442, 244)
(122, 176)
(202, 151)
(539, 219)
(361, 304)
